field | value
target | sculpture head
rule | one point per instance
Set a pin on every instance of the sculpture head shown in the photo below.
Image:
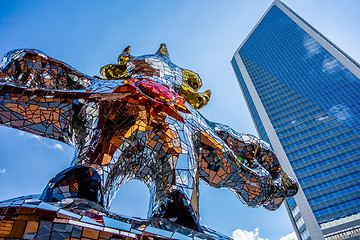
(159, 68)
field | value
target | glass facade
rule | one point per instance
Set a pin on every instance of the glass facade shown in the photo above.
(313, 103)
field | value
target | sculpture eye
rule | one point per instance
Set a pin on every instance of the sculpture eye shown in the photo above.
(156, 91)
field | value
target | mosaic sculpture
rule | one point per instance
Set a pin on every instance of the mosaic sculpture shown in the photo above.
(140, 121)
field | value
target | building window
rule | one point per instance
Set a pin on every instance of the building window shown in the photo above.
(305, 235)
(300, 222)
(295, 211)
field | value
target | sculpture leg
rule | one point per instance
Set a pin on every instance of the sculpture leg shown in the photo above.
(177, 207)
(174, 193)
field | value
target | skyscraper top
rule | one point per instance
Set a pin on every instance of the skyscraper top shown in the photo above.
(344, 58)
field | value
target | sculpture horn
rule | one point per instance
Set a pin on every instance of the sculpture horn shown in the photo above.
(127, 50)
(163, 51)
(125, 56)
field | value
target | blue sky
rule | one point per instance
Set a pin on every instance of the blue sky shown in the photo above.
(200, 35)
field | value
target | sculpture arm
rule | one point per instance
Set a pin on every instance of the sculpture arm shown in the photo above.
(39, 94)
(31, 68)
(253, 171)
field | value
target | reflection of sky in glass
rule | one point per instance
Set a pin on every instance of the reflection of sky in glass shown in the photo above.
(304, 66)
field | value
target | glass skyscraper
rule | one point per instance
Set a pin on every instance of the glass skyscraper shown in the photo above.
(303, 93)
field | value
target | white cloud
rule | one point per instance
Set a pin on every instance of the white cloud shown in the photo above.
(41, 142)
(291, 236)
(239, 234)
(58, 146)
(312, 47)
(182, 178)
(330, 65)
(33, 136)
(38, 138)
(3, 170)
(341, 112)
(322, 118)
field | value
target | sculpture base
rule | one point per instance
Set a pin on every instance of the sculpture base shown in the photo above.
(29, 218)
